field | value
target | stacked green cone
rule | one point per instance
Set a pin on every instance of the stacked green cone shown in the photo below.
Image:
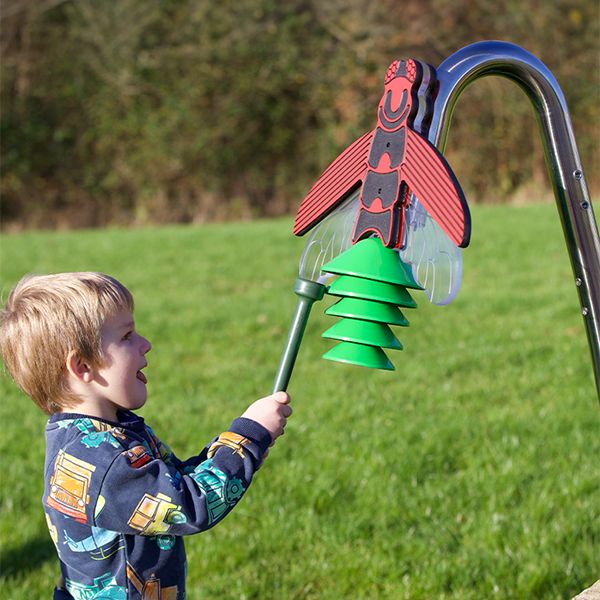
(372, 285)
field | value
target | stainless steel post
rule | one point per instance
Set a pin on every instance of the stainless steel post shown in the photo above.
(562, 157)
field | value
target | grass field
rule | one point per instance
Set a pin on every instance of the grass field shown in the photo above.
(470, 472)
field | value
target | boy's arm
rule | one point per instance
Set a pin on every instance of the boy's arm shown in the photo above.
(257, 412)
(145, 497)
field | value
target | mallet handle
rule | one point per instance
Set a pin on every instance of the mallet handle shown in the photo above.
(308, 292)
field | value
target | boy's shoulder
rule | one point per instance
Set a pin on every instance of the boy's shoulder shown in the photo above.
(87, 431)
(97, 441)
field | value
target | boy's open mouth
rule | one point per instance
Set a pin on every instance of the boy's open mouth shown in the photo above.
(141, 377)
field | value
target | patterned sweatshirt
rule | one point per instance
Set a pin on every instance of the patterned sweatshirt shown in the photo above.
(118, 501)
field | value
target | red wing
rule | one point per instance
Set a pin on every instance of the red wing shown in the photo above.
(431, 179)
(342, 176)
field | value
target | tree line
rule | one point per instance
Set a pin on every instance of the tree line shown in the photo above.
(142, 111)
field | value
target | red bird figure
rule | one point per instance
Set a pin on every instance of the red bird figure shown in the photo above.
(391, 162)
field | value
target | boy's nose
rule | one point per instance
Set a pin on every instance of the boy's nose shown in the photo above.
(146, 345)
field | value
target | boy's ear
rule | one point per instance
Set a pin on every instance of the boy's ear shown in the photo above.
(78, 368)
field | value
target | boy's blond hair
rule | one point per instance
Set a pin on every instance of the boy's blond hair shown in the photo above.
(48, 316)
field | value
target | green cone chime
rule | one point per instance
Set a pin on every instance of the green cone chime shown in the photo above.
(372, 286)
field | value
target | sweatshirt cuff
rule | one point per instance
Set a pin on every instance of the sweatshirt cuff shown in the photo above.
(253, 431)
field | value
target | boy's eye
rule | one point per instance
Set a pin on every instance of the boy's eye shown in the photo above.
(128, 335)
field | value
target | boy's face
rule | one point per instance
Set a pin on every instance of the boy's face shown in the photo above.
(120, 380)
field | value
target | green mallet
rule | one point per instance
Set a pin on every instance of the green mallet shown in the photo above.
(372, 285)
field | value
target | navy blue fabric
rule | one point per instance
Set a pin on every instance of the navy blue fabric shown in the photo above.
(118, 501)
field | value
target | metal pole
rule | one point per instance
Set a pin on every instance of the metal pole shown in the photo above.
(560, 150)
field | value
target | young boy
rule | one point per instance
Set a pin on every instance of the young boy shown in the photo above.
(117, 500)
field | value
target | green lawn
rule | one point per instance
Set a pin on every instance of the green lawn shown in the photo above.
(470, 472)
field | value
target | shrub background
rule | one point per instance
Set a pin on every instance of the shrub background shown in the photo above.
(144, 111)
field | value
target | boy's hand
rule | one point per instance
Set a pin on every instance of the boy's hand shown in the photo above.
(271, 412)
